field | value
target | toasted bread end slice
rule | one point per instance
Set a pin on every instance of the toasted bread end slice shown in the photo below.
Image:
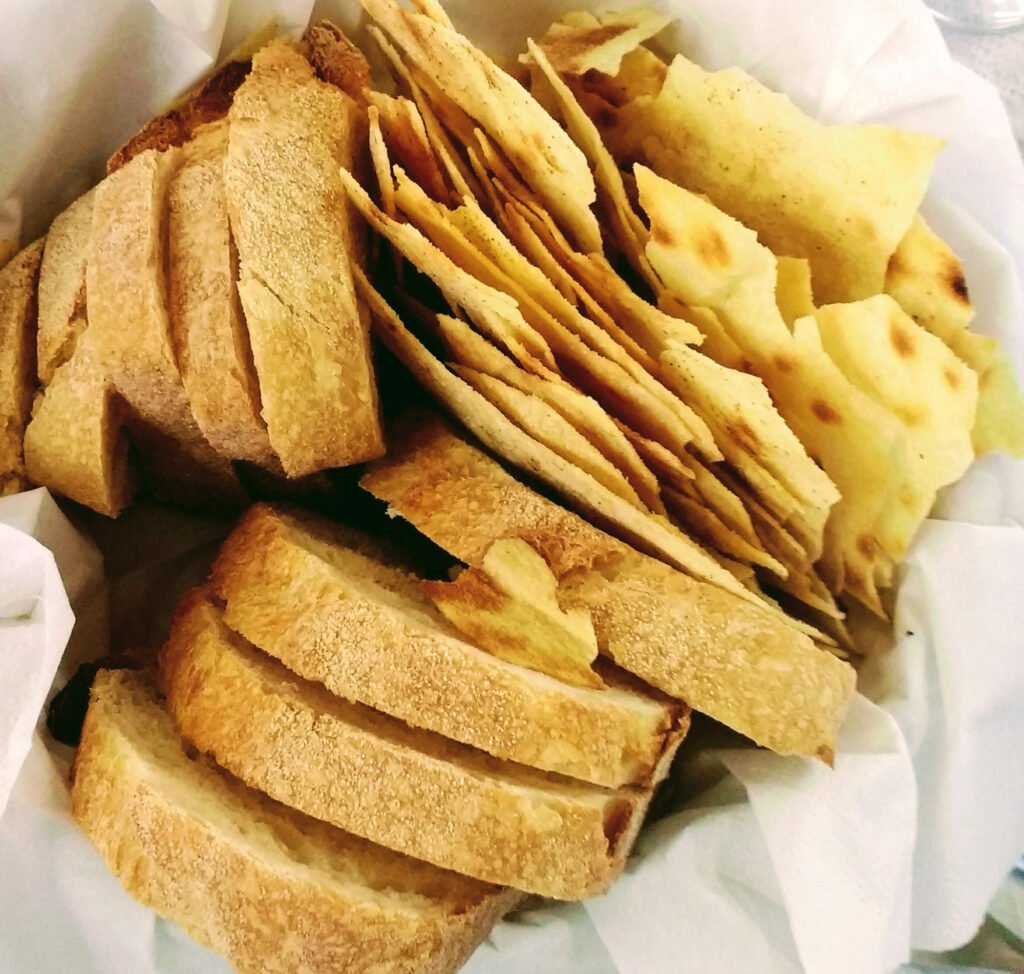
(270, 889)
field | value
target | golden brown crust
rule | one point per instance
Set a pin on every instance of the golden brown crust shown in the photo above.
(289, 133)
(271, 890)
(409, 790)
(17, 360)
(209, 333)
(325, 603)
(725, 657)
(75, 443)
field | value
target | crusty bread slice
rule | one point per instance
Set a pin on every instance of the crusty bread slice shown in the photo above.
(126, 308)
(270, 889)
(289, 133)
(76, 443)
(330, 604)
(62, 314)
(209, 333)
(407, 789)
(725, 657)
(17, 361)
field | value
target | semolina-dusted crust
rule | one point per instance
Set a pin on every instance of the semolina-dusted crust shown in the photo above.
(407, 789)
(75, 444)
(289, 133)
(271, 890)
(327, 603)
(726, 658)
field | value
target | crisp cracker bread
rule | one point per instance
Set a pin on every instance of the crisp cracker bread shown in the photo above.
(809, 190)
(546, 425)
(531, 138)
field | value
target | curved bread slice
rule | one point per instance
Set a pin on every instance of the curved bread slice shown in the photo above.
(409, 790)
(206, 317)
(127, 312)
(62, 316)
(75, 443)
(17, 361)
(726, 658)
(327, 603)
(273, 891)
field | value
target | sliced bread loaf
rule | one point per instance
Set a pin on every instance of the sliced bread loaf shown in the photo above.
(127, 312)
(411, 790)
(289, 133)
(725, 657)
(329, 603)
(273, 891)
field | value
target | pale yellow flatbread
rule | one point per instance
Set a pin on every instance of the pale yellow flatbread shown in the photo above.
(807, 189)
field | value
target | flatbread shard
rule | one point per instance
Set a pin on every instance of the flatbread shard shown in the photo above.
(408, 142)
(927, 279)
(594, 358)
(584, 413)
(540, 420)
(509, 606)
(531, 139)
(208, 329)
(289, 133)
(690, 639)
(808, 190)
(126, 308)
(933, 395)
(708, 259)
(17, 361)
(582, 41)
(623, 223)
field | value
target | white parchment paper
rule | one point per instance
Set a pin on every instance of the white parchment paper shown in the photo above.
(762, 863)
